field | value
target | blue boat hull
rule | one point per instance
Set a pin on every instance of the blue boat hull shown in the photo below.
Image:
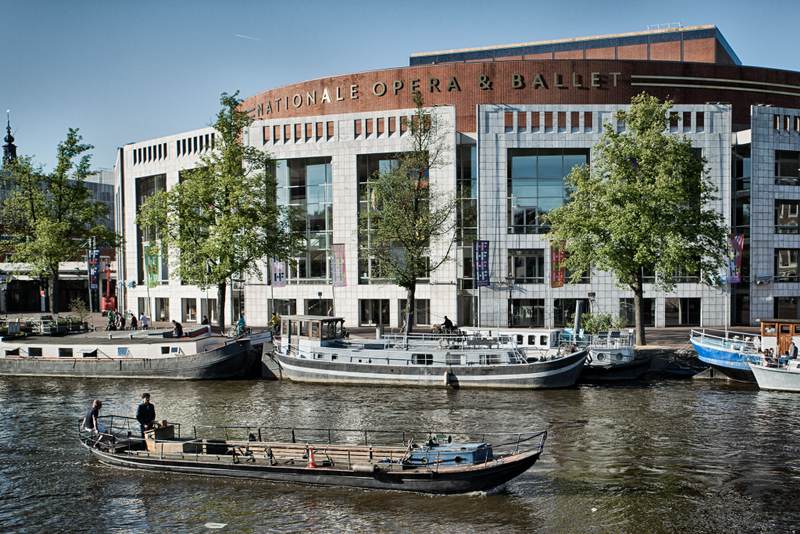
(730, 362)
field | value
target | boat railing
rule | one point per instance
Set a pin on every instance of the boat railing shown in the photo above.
(738, 341)
(515, 355)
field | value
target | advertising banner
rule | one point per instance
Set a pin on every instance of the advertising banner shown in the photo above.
(558, 272)
(480, 262)
(278, 273)
(93, 267)
(152, 264)
(338, 267)
(735, 263)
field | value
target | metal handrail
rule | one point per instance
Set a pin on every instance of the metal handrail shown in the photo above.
(745, 342)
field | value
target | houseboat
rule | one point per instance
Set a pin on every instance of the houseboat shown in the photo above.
(315, 349)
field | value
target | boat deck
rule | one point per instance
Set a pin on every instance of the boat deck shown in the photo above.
(145, 337)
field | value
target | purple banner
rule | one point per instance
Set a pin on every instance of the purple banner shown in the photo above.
(735, 266)
(339, 273)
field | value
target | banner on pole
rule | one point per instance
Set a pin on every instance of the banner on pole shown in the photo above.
(278, 273)
(480, 262)
(558, 272)
(152, 265)
(735, 262)
(93, 268)
(338, 266)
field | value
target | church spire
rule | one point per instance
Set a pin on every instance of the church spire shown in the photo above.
(9, 149)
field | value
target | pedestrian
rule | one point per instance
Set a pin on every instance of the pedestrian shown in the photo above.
(111, 323)
(240, 325)
(122, 321)
(144, 321)
(177, 329)
(204, 322)
(90, 422)
(134, 322)
(275, 323)
(447, 325)
(146, 413)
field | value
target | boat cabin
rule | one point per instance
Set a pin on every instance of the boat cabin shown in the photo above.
(311, 330)
(778, 334)
(522, 338)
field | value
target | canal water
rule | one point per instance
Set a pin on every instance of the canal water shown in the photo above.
(664, 456)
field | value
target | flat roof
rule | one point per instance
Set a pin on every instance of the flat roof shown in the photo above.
(573, 43)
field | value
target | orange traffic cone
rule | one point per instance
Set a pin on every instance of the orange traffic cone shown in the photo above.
(311, 463)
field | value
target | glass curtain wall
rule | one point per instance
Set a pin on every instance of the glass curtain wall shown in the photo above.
(146, 187)
(305, 186)
(369, 167)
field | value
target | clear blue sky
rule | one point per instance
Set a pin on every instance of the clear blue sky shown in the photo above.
(132, 70)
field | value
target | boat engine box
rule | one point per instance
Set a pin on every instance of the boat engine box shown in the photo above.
(451, 454)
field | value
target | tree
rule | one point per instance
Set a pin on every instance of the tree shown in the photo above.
(49, 217)
(222, 219)
(645, 205)
(408, 213)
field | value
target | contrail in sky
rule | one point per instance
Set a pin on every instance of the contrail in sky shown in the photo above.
(248, 37)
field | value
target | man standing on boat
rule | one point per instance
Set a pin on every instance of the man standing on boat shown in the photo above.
(146, 413)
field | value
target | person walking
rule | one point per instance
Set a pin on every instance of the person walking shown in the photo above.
(144, 321)
(146, 413)
(240, 325)
(134, 322)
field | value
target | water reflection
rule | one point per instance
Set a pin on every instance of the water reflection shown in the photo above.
(655, 457)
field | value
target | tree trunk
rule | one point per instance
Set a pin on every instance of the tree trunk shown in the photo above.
(638, 311)
(410, 291)
(221, 287)
(52, 291)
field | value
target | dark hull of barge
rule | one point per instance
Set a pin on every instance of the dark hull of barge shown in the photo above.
(474, 478)
(234, 360)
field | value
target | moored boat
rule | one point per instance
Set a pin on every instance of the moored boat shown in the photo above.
(314, 349)
(142, 354)
(731, 353)
(437, 463)
(783, 375)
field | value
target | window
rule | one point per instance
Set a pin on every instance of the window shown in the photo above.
(373, 312)
(564, 311)
(626, 311)
(467, 310)
(787, 167)
(305, 187)
(452, 359)
(681, 311)
(422, 312)
(787, 216)
(526, 266)
(787, 268)
(35, 351)
(422, 359)
(162, 309)
(208, 308)
(526, 312)
(146, 187)
(64, 352)
(143, 305)
(284, 306)
(786, 307)
(467, 194)
(319, 307)
(536, 185)
(489, 359)
(189, 310)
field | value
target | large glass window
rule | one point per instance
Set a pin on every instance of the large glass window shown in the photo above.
(305, 186)
(162, 310)
(536, 185)
(422, 311)
(526, 312)
(787, 216)
(467, 194)
(626, 311)
(284, 306)
(786, 308)
(787, 266)
(146, 187)
(681, 311)
(741, 167)
(189, 310)
(319, 306)
(526, 266)
(373, 312)
(564, 311)
(208, 309)
(787, 167)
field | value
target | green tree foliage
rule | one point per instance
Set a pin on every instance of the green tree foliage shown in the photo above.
(222, 220)
(48, 217)
(645, 205)
(409, 214)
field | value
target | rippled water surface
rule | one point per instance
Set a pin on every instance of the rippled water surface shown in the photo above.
(686, 456)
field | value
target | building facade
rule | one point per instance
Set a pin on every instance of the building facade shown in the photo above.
(515, 120)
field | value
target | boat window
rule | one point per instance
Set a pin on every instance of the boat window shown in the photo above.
(334, 357)
(64, 352)
(90, 353)
(489, 359)
(123, 351)
(34, 351)
(520, 340)
(452, 359)
(786, 329)
(797, 329)
(303, 328)
(543, 340)
(532, 340)
(422, 359)
(314, 329)
(504, 339)
(769, 329)
(12, 352)
(174, 349)
(164, 350)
